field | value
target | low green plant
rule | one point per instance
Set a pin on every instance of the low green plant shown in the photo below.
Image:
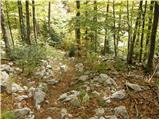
(8, 115)
(28, 57)
(120, 65)
(101, 102)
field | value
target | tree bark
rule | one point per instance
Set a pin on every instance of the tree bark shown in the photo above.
(34, 21)
(149, 31)
(153, 37)
(131, 48)
(9, 24)
(21, 22)
(28, 23)
(95, 21)
(142, 35)
(77, 30)
(114, 28)
(4, 34)
(106, 40)
(49, 16)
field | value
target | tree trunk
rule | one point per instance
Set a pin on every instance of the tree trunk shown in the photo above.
(49, 15)
(131, 48)
(4, 34)
(153, 37)
(142, 35)
(106, 40)
(8, 20)
(34, 21)
(21, 22)
(149, 30)
(95, 22)
(28, 23)
(86, 29)
(114, 28)
(77, 30)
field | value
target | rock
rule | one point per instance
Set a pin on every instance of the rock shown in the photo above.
(63, 68)
(49, 67)
(43, 87)
(99, 111)
(104, 78)
(18, 105)
(121, 112)
(25, 88)
(85, 99)
(83, 77)
(10, 63)
(22, 113)
(7, 68)
(75, 102)
(40, 74)
(79, 67)
(68, 96)
(39, 97)
(94, 117)
(121, 94)
(16, 88)
(31, 91)
(4, 78)
(18, 70)
(102, 117)
(111, 117)
(96, 93)
(49, 117)
(22, 97)
(135, 87)
(52, 82)
(63, 113)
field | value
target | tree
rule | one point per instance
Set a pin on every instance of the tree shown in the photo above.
(21, 22)
(49, 15)
(142, 34)
(8, 20)
(77, 29)
(153, 37)
(4, 34)
(28, 23)
(149, 30)
(114, 29)
(131, 48)
(106, 40)
(34, 21)
(95, 22)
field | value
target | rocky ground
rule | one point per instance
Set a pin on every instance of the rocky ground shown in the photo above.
(63, 88)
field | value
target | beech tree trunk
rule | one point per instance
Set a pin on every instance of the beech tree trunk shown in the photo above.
(153, 37)
(28, 23)
(34, 21)
(114, 29)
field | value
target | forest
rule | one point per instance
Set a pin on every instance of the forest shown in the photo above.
(79, 59)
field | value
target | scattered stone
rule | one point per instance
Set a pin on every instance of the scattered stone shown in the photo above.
(63, 113)
(68, 96)
(31, 91)
(52, 82)
(25, 88)
(75, 102)
(85, 99)
(63, 68)
(121, 94)
(39, 97)
(104, 78)
(79, 67)
(49, 117)
(7, 68)
(99, 111)
(111, 117)
(83, 77)
(53, 109)
(22, 97)
(18, 105)
(4, 78)
(16, 88)
(94, 117)
(22, 113)
(49, 67)
(134, 87)
(43, 87)
(121, 112)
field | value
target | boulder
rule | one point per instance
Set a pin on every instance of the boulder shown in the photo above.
(52, 82)
(22, 97)
(16, 88)
(104, 78)
(121, 112)
(134, 87)
(99, 111)
(121, 94)
(39, 97)
(4, 78)
(22, 113)
(83, 77)
(31, 91)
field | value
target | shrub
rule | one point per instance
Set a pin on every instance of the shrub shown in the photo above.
(8, 115)
(28, 57)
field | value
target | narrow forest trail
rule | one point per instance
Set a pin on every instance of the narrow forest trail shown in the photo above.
(85, 94)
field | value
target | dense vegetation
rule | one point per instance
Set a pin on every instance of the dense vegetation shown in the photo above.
(103, 35)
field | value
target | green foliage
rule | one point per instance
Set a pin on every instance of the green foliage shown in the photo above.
(8, 115)
(28, 57)
(120, 65)
(101, 102)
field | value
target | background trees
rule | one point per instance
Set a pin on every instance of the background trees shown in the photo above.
(125, 29)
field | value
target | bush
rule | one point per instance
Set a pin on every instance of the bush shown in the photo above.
(8, 115)
(28, 57)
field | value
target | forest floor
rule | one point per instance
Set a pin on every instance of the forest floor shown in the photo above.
(73, 91)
